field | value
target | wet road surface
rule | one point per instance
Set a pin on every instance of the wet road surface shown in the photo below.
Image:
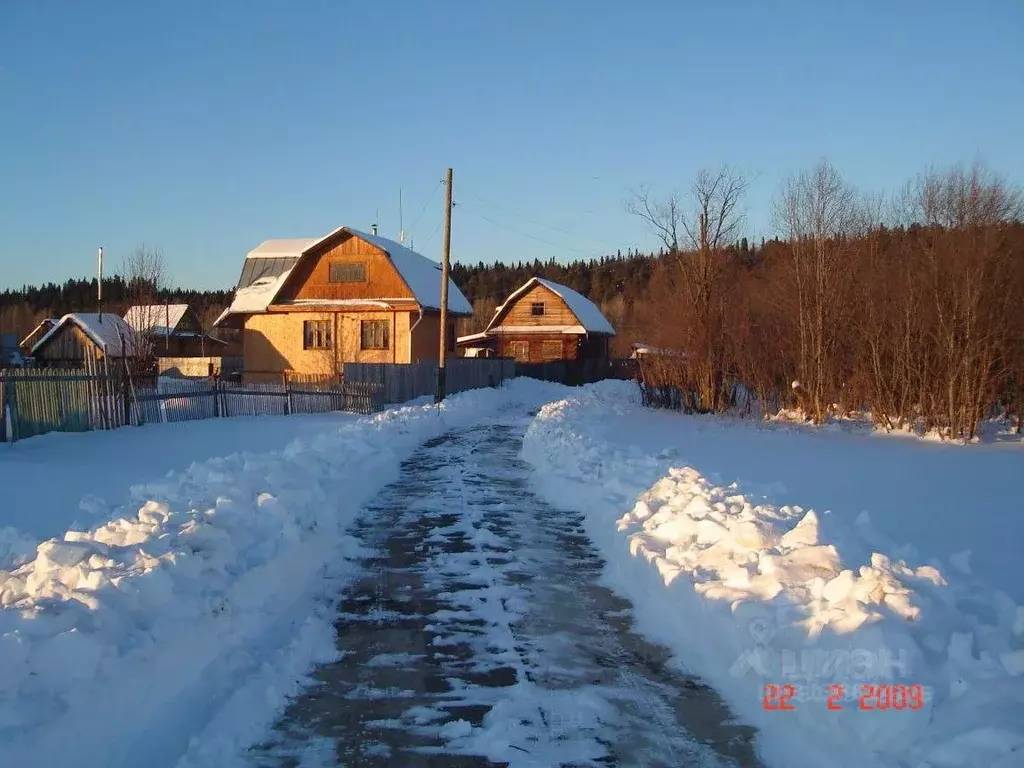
(478, 635)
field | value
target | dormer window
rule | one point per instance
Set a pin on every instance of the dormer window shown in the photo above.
(537, 309)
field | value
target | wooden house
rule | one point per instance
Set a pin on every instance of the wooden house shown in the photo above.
(307, 306)
(543, 322)
(174, 330)
(81, 338)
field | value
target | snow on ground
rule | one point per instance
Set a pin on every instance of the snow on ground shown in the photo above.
(207, 596)
(768, 558)
(61, 481)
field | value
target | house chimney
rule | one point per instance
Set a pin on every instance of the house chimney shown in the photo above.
(373, 229)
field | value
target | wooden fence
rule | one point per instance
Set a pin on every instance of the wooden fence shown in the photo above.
(198, 366)
(400, 382)
(37, 401)
(577, 372)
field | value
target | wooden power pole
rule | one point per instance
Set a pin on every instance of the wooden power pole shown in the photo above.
(445, 266)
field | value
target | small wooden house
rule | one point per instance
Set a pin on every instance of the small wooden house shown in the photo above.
(543, 322)
(308, 306)
(81, 338)
(174, 330)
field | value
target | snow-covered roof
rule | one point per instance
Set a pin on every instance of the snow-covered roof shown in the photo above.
(109, 331)
(589, 316)
(43, 326)
(156, 319)
(288, 247)
(420, 274)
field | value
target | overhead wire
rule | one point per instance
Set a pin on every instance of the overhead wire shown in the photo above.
(587, 254)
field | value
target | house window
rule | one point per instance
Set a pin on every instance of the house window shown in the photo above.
(520, 351)
(316, 334)
(537, 308)
(373, 334)
(551, 350)
(347, 272)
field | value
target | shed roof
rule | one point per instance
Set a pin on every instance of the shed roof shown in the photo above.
(589, 316)
(157, 319)
(268, 266)
(108, 331)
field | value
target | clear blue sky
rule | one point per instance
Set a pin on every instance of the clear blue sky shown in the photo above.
(205, 127)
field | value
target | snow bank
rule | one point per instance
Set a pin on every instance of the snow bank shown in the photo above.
(120, 644)
(802, 621)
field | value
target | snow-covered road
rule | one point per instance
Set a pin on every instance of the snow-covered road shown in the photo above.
(477, 631)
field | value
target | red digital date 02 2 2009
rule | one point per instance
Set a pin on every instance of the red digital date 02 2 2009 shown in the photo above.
(871, 697)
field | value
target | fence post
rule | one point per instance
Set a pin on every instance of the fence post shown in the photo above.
(287, 394)
(216, 395)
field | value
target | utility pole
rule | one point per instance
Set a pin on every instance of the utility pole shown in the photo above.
(445, 264)
(99, 284)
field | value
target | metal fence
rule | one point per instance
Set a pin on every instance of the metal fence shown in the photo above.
(37, 401)
(400, 382)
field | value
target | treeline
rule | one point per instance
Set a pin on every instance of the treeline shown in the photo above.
(21, 310)
(909, 308)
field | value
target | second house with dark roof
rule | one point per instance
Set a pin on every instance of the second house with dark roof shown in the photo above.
(307, 306)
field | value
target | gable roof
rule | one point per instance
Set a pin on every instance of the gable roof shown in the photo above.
(44, 325)
(156, 319)
(269, 265)
(108, 331)
(590, 318)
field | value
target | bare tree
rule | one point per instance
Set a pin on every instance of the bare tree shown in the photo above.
(697, 231)
(145, 275)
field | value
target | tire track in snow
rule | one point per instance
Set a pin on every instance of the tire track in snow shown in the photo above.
(479, 635)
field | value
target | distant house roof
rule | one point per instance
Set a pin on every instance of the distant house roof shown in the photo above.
(269, 264)
(156, 319)
(590, 317)
(108, 331)
(36, 333)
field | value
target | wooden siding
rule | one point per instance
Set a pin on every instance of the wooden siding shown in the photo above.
(426, 342)
(272, 343)
(555, 310)
(537, 347)
(69, 344)
(310, 280)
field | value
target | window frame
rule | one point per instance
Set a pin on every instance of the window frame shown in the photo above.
(347, 264)
(384, 343)
(534, 306)
(317, 335)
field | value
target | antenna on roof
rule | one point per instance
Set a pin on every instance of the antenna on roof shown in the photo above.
(401, 227)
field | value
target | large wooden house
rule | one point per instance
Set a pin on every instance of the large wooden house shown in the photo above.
(174, 330)
(543, 322)
(309, 305)
(84, 338)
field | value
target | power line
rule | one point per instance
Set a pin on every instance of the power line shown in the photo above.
(430, 198)
(589, 255)
(539, 223)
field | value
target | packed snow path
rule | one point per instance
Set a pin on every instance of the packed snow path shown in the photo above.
(478, 634)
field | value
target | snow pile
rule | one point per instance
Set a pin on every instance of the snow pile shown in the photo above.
(119, 644)
(842, 648)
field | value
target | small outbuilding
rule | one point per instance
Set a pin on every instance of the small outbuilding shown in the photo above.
(82, 338)
(543, 322)
(174, 330)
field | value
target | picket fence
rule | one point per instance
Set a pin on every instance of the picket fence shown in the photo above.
(36, 401)
(401, 382)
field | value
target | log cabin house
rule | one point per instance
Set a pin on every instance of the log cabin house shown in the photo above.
(542, 322)
(307, 306)
(174, 330)
(83, 338)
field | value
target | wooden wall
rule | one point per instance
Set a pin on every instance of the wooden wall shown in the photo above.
(426, 340)
(69, 344)
(310, 279)
(538, 348)
(272, 342)
(555, 310)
